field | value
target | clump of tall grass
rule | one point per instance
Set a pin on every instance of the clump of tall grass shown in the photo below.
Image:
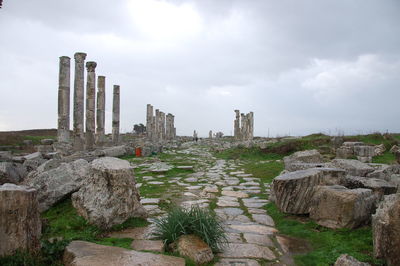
(200, 222)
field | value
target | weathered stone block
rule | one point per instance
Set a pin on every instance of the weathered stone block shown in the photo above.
(81, 253)
(353, 167)
(20, 226)
(346, 260)
(386, 230)
(109, 195)
(340, 207)
(293, 191)
(196, 249)
(53, 185)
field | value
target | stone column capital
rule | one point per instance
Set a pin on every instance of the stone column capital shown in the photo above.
(62, 58)
(91, 66)
(80, 57)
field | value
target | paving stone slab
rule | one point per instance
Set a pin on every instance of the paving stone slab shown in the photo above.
(263, 219)
(253, 228)
(148, 245)
(237, 250)
(237, 262)
(263, 240)
(236, 194)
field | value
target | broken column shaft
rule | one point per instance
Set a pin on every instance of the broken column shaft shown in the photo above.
(101, 108)
(78, 100)
(90, 105)
(115, 114)
(63, 99)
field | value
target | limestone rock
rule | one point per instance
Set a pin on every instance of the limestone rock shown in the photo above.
(148, 245)
(347, 260)
(395, 149)
(55, 184)
(293, 191)
(48, 165)
(81, 253)
(308, 157)
(386, 230)
(379, 149)
(237, 250)
(116, 151)
(109, 195)
(340, 207)
(11, 173)
(378, 186)
(20, 226)
(353, 167)
(33, 160)
(195, 248)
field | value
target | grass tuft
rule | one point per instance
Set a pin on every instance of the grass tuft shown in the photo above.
(201, 222)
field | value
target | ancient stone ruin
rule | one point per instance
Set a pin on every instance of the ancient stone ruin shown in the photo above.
(90, 137)
(244, 126)
(160, 127)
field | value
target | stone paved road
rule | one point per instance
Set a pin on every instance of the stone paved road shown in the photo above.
(224, 185)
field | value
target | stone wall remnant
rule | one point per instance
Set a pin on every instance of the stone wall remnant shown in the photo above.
(243, 126)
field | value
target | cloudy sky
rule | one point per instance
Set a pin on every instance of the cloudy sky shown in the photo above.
(302, 66)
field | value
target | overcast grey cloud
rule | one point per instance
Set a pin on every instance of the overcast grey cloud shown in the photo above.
(301, 66)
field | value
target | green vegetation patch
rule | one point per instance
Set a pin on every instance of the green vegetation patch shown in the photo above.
(264, 171)
(386, 158)
(201, 222)
(255, 154)
(327, 244)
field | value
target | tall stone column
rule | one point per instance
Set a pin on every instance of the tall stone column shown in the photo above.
(157, 126)
(210, 134)
(115, 114)
(90, 105)
(78, 100)
(168, 131)
(149, 120)
(101, 110)
(251, 125)
(242, 126)
(236, 126)
(173, 127)
(162, 118)
(63, 99)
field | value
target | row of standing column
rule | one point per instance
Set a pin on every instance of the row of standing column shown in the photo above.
(159, 127)
(244, 126)
(82, 139)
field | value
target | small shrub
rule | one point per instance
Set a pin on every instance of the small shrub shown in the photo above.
(201, 222)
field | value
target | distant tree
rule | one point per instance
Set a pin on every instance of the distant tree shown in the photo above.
(1, 3)
(138, 128)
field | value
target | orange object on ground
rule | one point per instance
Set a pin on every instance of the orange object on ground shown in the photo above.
(138, 152)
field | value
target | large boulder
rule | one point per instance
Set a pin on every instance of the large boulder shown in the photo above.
(353, 167)
(340, 207)
(33, 160)
(11, 173)
(195, 248)
(55, 184)
(347, 260)
(310, 158)
(20, 226)
(82, 253)
(293, 191)
(379, 149)
(116, 151)
(386, 230)
(380, 187)
(109, 195)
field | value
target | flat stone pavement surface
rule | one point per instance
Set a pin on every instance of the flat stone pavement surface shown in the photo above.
(237, 198)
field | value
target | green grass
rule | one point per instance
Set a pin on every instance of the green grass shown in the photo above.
(386, 158)
(63, 221)
(327, 244)
(255, 154)
(116, 242)
(201, 222)
(265, 171)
